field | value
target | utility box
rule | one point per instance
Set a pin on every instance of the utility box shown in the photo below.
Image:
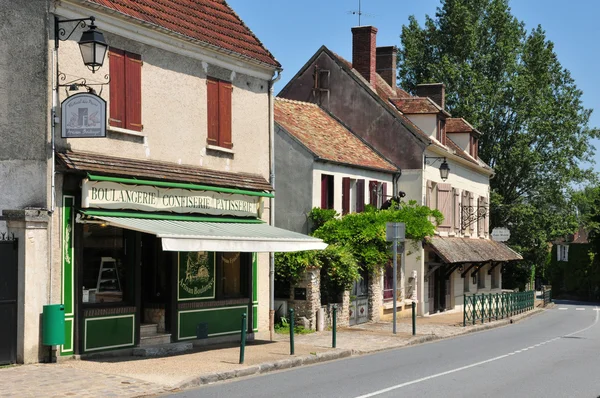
(53, 324)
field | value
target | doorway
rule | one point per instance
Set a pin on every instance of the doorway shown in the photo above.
(156, 292)
(8, 300)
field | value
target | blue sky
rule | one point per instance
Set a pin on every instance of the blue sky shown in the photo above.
(293, 30)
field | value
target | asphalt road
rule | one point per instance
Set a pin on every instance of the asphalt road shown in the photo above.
(554, 354)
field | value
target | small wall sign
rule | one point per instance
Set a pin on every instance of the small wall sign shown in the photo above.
(83, 115)
(500, 234)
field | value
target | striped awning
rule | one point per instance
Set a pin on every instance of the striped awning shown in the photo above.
(195, 236)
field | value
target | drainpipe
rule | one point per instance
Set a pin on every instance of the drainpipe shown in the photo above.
(272, 204)
(54, 116)
(395, 187)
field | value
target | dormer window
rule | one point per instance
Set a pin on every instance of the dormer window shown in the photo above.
(474, 147)
(441, 130)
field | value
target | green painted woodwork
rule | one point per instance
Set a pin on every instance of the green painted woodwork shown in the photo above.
(67, 348)
(221, 321)
(110, 332)
(151, 216)
(68, 277)
(494, 306)
(254, 277)
(255, 317)
(94, 177)
(196, 275)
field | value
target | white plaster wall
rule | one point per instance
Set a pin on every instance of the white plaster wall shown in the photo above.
(338, 172)
(427, 123)
(463, 140)
(411, 182)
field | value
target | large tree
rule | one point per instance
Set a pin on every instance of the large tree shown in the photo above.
(509, 84)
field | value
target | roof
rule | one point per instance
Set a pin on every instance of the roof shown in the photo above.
(326, 137)
(212, 22)
(466, 250)
(412, 105)
(87, 162)
(459, 125)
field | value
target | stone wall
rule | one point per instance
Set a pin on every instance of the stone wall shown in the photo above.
(375, 296)
(307, 308)
(343, 312)
(157, 316)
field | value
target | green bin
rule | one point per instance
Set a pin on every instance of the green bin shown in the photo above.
(53, 324)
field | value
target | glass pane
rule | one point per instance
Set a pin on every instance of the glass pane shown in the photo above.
(231, 283)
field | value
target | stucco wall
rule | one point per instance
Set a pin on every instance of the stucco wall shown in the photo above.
(427, 123)
(293, 183)
(461, 139)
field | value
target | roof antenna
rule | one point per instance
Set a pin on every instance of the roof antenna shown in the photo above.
(359, 13)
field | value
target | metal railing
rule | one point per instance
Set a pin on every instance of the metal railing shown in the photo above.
(547, 296)
(494, 306)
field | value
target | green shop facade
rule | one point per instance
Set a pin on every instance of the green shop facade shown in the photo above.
(145, 253)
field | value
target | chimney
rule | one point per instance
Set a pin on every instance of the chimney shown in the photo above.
(386, 64)
(435, 91)
(363, 52)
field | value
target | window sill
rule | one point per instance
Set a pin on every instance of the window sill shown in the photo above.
(220, 149)
(125, 131)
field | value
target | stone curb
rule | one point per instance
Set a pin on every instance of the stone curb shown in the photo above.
(337, 354)
(264, 368)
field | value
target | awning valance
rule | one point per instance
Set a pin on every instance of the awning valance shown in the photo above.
(195, 236)
(466, 250)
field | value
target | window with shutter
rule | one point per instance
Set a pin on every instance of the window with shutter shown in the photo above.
(326, 191)
(345, 195)
(480, 221)
(125, 108)
(383, 195)
(218, 94)
(444, 203)
(486, 220)
(456, 215)
(360, 196)
(373, 193)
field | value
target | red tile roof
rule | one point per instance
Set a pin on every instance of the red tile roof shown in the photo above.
(210, 21)
(324, 136)
(414, 105)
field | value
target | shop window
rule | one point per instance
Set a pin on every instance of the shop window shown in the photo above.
(326, 191)
(219, 112)
(481, 279)
(233, 272)
(106, 272)
(125, 90)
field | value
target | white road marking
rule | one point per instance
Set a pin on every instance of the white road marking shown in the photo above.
(563, 308)
(580, 309)
(408, 383)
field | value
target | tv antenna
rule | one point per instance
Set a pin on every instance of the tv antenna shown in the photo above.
(359, 12)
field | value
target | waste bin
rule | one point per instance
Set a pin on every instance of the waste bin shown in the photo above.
(53, 324)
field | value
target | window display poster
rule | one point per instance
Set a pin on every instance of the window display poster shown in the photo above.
(196, 276)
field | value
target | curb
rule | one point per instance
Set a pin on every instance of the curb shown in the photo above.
(289, 363)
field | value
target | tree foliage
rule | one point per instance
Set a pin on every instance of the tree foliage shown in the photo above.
(509, 84)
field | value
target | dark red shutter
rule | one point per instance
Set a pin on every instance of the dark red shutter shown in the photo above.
(225, 89)
(117, 88)
(133, 92)
(345, 195)
(324, 193)
(212, 95)
(360, 196)
(383, 192)
(373, 193)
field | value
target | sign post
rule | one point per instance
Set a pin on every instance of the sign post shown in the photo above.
(395, 232)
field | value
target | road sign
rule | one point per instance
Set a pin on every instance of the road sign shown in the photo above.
(395, 231)
(500, 234)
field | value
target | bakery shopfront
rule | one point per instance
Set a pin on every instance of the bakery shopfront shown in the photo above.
(156, 253)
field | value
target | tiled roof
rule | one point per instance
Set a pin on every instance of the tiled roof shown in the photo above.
(414, 105)
(465, 250)
(324, 136)
(210, 21)
(459, 125)
(87, 162)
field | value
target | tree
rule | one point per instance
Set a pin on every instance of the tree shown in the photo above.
(509, 84)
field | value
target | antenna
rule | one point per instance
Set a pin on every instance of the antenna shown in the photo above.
(359, 13)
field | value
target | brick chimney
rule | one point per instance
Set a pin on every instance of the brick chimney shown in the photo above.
(386, 64)
(435, 91)
(363, 52)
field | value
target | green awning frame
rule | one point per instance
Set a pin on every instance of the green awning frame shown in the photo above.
(171, 217)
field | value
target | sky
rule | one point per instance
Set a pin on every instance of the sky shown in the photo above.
(293, 30)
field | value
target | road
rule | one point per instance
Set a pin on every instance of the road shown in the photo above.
(553, 354)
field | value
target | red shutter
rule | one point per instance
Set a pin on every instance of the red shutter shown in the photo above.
(345, 195)
(360, 196)
(212, 95)
(444, 203)
(373, 193)
(456, 209)
(225, 90)
(324, 192)
(383, 193)
(133, 92)
(117, 88)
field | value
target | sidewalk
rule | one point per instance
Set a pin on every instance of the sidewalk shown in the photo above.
(131, 377)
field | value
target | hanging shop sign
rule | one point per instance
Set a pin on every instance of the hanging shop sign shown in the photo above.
(117, 196)
(83, 116)
(500, 234)
(196, 276)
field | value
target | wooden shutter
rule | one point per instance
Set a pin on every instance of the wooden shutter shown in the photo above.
(360, 196)
(324, 193)
(383, 193)
(133, 92)
(480, 221)
(457, 209)
(212, 95)
(373, 193)
(225, 90)
(116, 59)
(486, 223)
(345, 195)
(444, 203)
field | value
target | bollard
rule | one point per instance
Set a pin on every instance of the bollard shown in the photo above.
(243, 339)
(291, 331)
(414, 317)
(334, 321)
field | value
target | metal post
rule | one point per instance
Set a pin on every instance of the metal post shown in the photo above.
(243, 339)
(414, 318)
(395, 287)
(465, 310)
(334, 322)
(291, 331)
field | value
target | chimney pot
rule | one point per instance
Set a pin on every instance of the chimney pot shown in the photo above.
(435, 91)
(364, 52)
(386, 64)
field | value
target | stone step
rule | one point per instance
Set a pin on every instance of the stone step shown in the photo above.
(156, 339)
(160, 350)
(148, 329)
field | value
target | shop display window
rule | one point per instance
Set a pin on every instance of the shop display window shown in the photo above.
(233, 271)
(106, 277)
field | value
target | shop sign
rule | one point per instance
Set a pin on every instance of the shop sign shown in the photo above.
(196, 276)
(112, 195)
(83, 116)
(500, 234)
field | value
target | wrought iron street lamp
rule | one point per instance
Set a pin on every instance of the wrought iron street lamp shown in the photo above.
(444, 167)
(92, 44)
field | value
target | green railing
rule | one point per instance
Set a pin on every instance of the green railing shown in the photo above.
(547, 293)
(493, 306)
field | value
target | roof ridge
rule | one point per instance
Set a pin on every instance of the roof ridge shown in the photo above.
(296, 102)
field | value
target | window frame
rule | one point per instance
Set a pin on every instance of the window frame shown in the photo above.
(219, 109)
(245, 277)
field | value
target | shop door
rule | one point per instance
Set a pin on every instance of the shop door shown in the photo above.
(156, 292)
(359, 300)
(8, 300)
(440, 290)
